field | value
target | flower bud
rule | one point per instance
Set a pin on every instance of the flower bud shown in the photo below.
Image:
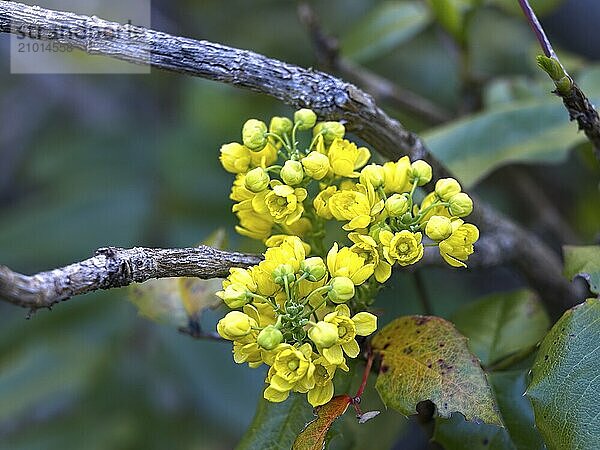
(324, 334)
(235, 158)
(235, 295)
(342, 289)
(235, 325)
(376, 228)
(257, 180)
(396, 205)
(461, 205)
(316, 165)
(305, 118)
(280, 126)
(421, 172)
(438, 228)
(314, 268)
(269, 338)
(292, 173)
(374, 174)
(446, 188)
(330, 131)
(254, 134)
(283, 272)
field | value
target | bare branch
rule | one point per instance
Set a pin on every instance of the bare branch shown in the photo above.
(113, 267)
(383, 90)
(330, 97)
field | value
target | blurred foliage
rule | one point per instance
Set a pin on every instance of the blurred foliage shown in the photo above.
(125, 160)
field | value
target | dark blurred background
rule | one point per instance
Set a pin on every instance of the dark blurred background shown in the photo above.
(93, 160)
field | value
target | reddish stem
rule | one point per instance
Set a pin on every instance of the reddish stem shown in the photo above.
(535, 25)
(365, 377)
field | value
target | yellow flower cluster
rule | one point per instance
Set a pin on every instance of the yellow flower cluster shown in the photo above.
(294, 311)
(283, 188)
(290, 313)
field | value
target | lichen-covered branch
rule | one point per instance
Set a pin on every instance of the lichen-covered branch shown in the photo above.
(327, 95)
(113, 267)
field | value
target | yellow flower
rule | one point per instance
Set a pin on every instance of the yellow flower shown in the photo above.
(253, 224)
(360, 206)
(446, 188)
(457, 248)
(404, 247)
(362, 324)
(235, 158)
(346, 263)
(421, 172)
(342, 289)
(374, 174)
(249, 352)
(292, 173)
(396, 176)
(283, 203)
(300, 228)
(305, 119)
(438, 228)
(430, 199)
(239, 192)
(345, 158)
(323, 390)
(323, 334)
(291, 369)
(329, 131)
(321, 202)
(366, 247)
(461, 205)
(265, 157)
(316, 165)
(257, 180)
(235, 325)
(290, 252)
(277, 239)
(254, 134)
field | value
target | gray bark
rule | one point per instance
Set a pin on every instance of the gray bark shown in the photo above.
(113, 267)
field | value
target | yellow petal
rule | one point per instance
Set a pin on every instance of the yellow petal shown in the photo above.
(320, 394)
(275, 396)
(333, 354)
(351, 348)
(366, 323)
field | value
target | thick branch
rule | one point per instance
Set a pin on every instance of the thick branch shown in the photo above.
(330, 97)
(113, 267)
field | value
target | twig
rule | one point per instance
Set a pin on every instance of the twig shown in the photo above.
(577, 104)
(383, 90)
(113, 267)
(330, 97)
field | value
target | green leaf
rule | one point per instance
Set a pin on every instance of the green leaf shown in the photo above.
(565, 380)
(584, 262)
(314, 436)
(520, 433)
(276, 425)
(388, 25)
(425, 358)
(505, 325)
(532, 131)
